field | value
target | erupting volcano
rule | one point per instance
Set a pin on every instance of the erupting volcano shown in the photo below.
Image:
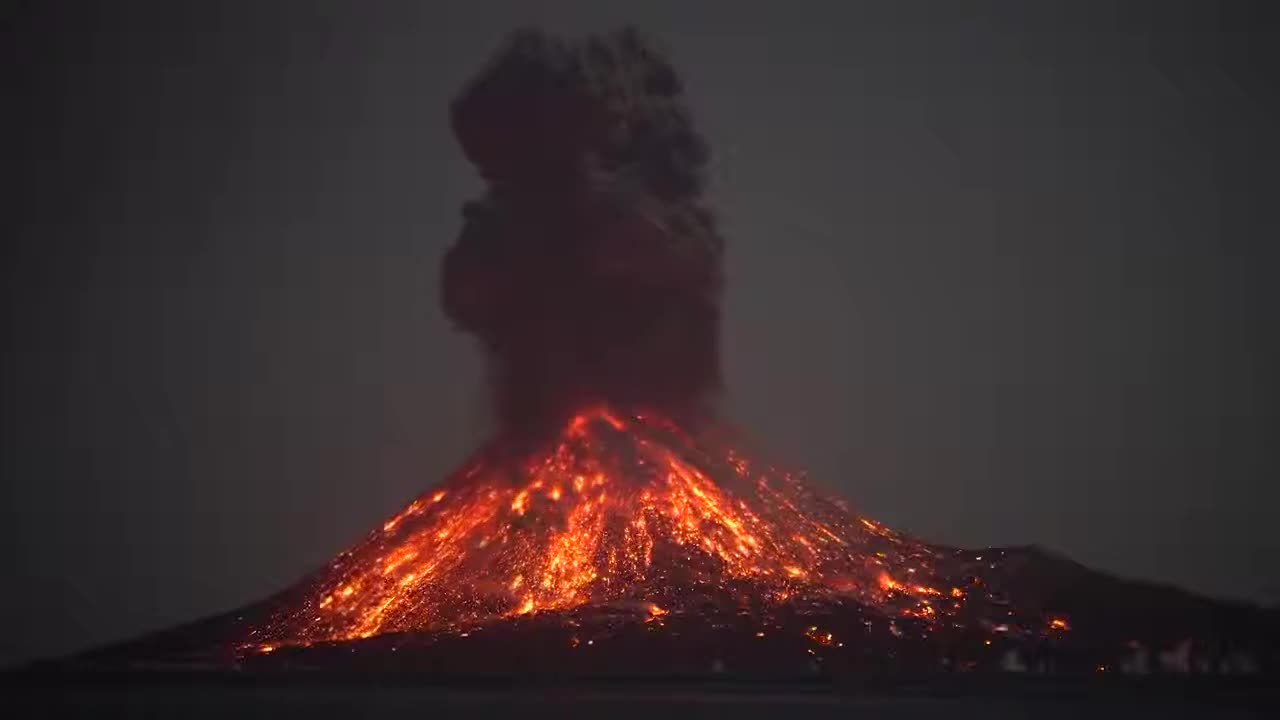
(628, 545)
(615, 524)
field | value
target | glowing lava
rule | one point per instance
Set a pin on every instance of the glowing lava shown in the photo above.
(621, 510)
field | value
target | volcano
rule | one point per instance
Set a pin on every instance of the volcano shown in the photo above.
(617, 525)
(629, 545)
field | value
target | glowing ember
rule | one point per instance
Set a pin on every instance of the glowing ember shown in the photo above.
(619, 510)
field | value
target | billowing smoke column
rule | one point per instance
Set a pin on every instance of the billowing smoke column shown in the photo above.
(590, 270)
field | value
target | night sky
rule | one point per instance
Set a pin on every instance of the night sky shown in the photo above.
(997, 275)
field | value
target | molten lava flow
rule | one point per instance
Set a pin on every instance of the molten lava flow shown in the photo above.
(621, 510)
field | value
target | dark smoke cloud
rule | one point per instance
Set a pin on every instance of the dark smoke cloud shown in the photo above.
(591, 269)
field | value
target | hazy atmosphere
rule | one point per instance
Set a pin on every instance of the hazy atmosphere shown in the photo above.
(997, 275)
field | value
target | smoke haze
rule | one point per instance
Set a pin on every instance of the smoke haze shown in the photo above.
(590, 269)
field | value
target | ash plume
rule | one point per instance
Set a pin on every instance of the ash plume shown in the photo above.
(591, 268)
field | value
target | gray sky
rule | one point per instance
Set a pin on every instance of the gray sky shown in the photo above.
(996, 275)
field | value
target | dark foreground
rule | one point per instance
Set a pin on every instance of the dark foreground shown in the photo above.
(325, 695)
